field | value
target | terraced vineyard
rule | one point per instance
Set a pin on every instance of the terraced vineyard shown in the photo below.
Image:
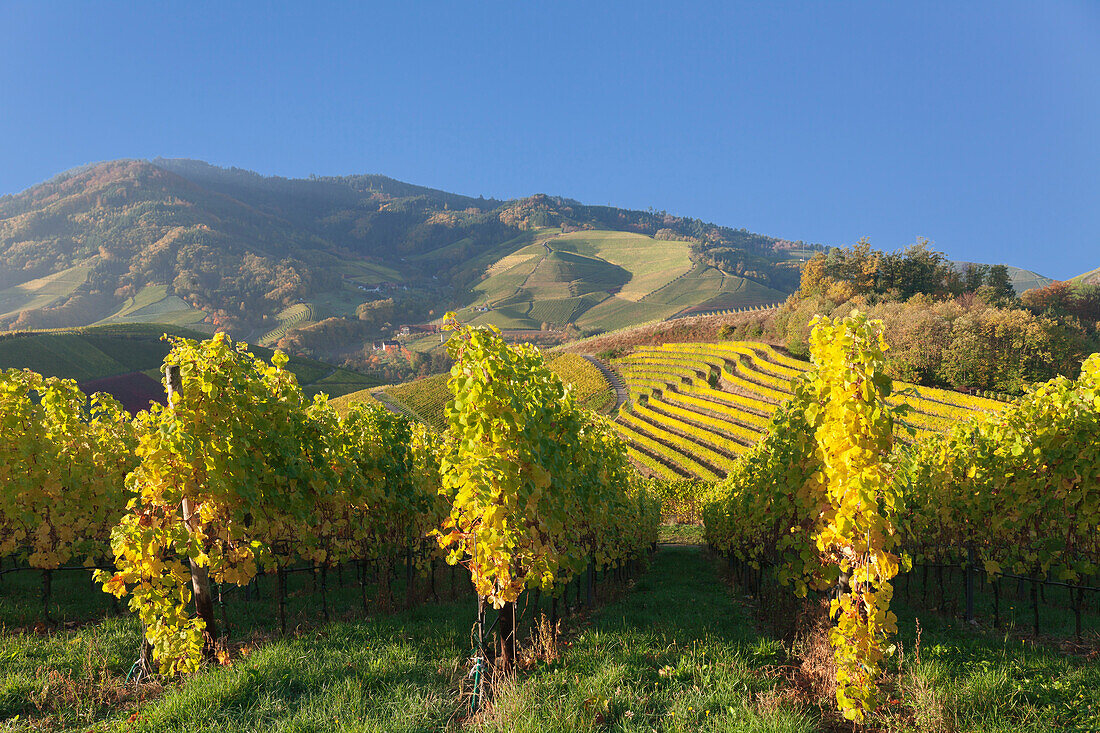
(295, 315)
(696, 407)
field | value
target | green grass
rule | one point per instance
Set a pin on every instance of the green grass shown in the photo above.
(675, 654)
(1087, 277)
(566, 310)
(625, 279)
(343, 403)
(970, 680)
(146, 297)
(678, 651)
(711, 289)
(389, 659)
(368, 273)
(288, 318)
(339, 303)
(616, 312)
(650, 262)
(425, 398)
(506, 317)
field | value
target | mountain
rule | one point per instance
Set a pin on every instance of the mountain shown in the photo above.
(187, 243)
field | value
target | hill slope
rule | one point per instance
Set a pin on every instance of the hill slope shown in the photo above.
(697, 406)
(125, 360)
(425, 399)
(603, 280)
(1092, 277)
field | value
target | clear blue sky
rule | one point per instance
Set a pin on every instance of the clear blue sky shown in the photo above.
(974, 124)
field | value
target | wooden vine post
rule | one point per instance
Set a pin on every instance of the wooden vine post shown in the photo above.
(507, 624)
(200, 578)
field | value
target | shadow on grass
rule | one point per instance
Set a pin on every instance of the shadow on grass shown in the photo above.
(395, 674)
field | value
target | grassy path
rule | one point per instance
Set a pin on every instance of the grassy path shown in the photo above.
(675, 654)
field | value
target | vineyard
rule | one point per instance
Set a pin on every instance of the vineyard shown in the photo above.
(296, 315)
(697, 407)
(820, 484)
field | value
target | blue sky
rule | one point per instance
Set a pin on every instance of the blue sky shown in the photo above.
(973, 124)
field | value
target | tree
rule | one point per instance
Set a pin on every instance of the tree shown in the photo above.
(1000, 284)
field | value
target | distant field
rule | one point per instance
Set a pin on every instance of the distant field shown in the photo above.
(1090, 277)
(369, 273)
(695, 407)
(1022, 280)
(288, 318)
(100, 352)
(652, 263)
(616, 312)
(43, 292)
(603, 280)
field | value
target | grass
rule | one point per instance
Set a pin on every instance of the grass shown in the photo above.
(964, 679)
(425, 398)
(676, 651)
(626, 279)
(690, 419)
(675, 654)
(288, 318)
(1087, 277)
(73, 676)
(617, 312)
(344, 402)
(651, 263)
